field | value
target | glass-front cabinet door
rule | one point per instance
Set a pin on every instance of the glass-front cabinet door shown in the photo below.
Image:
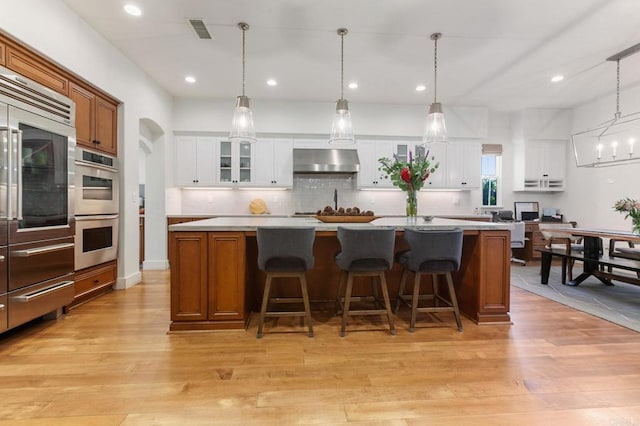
(235, 163)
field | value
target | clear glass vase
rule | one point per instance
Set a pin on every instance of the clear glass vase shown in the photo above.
(635, 225)
(412, 206)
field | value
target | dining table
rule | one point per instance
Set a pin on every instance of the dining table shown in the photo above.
(592, 241)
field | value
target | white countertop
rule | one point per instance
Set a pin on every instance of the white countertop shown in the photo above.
(239, 223)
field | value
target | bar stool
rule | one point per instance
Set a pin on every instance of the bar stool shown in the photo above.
(365, 252)
(435, 252)
(285, 252)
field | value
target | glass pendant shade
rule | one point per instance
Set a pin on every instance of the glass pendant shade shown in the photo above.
(435, 130)
(242, 129)
(342, 128)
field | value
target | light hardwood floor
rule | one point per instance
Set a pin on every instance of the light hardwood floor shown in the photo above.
(112, 362)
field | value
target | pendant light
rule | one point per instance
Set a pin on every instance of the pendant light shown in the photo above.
(342, 128)
(242, 129)
(435, 129)
(612, 142)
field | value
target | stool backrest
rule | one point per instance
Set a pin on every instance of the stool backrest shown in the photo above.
(365, 243)
(285, 243)
(434, 250)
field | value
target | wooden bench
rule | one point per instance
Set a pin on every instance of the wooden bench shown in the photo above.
(592, 266)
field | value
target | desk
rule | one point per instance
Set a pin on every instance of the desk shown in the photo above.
(592, 255)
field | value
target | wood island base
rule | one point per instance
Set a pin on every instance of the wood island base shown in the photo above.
(215, 282)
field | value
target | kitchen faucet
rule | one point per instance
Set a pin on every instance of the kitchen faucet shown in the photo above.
(335, 199)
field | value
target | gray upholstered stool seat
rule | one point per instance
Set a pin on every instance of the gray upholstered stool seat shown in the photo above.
(434, 252)
(365, 252)
(285, 252)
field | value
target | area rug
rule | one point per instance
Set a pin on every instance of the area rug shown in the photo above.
(619, 303)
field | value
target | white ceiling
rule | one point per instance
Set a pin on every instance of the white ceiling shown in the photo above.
(498, 53)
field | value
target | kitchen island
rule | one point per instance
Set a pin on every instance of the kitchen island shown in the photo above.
(216, 284)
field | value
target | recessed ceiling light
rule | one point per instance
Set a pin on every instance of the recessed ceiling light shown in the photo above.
(133, 10)
(421, 88)
(272, 82)
(353, 85)
(557, 78)
(190, 79)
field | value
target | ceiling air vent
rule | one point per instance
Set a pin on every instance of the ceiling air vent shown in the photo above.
(200, 28)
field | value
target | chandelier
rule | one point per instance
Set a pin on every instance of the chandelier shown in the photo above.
(342, 128)
(242, 129)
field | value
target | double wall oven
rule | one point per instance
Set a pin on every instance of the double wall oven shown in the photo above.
(37, 224)
(97, 206)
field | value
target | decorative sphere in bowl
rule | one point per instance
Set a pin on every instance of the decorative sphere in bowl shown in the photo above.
(428, 218)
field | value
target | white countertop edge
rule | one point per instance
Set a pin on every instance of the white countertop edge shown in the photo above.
(236, 223)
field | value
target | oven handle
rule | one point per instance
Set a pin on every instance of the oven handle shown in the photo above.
(26, 298)
(97, 217)
(41, 250)
(96, 166)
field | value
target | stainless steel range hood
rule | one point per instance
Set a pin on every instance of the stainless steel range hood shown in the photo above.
(325, 161)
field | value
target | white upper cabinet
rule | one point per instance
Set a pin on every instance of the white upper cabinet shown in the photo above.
(463, 165)
(437, 153)
(235, 163)
(369, 151)
(274, 163)
(195, 160)
(540, 138)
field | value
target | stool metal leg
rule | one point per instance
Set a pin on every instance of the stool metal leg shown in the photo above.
(305, 299)
(454, 300)
(265, 302)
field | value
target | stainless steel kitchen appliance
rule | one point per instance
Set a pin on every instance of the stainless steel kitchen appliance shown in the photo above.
(37, 225)
(97, 206)
(97, 183)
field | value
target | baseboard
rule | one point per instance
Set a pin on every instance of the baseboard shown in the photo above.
(155, 264)
(129, 281)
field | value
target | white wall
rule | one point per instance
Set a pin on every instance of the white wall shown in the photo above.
(77, 47)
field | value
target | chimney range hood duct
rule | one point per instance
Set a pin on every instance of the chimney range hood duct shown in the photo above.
(325, 161)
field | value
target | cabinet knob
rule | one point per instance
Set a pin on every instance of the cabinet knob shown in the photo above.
(96, 142)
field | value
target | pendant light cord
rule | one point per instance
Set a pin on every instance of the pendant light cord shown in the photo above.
(435, 68)
(243, 65)
(618, 89)
(341, 66)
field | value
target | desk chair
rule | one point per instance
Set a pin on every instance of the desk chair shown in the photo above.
(365, 252)
(283, 253)
(436, 252)
(517, 240)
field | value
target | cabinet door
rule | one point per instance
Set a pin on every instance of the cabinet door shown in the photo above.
(235, 163)
(274, 163)
(186, 166)
(2, 53)
(195, 161)
(534, 160)
(29, 66)
(554, 159)
(437, 153)
(205, 160)
(463, 165)
(226, 276)
(188, 276)
(106, 121)
(368, 153)
(282, 163)
(85, 106)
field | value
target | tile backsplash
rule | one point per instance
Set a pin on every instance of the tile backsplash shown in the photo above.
(312, 192)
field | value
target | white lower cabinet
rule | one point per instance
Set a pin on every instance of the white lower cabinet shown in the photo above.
(195, 160)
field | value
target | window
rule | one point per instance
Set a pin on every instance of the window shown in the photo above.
(491, 169)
